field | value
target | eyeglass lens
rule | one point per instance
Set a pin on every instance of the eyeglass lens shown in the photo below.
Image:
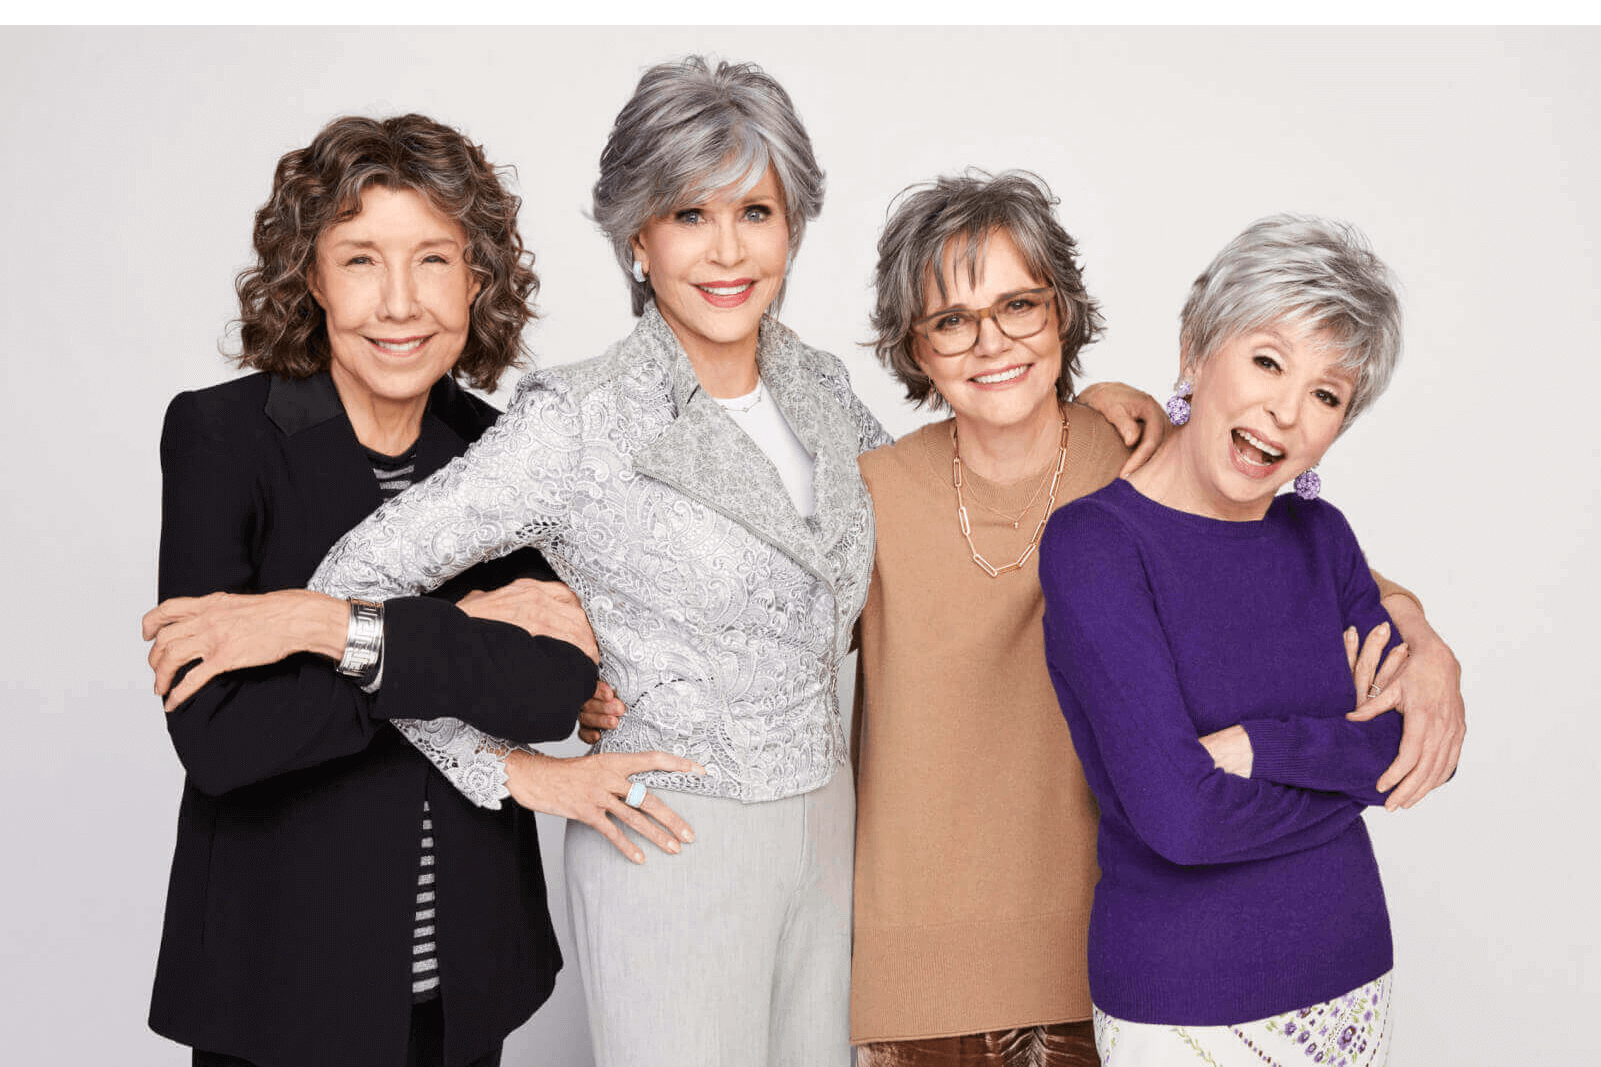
(1018, 316)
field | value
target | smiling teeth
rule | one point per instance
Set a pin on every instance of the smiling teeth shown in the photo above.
(1256, 442)
(725, 290)
(1000, 376)
(403, 346)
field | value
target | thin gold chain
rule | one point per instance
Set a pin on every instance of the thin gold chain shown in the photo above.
(1017, 519)
(961, 508)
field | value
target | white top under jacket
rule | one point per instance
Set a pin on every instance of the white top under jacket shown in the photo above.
(759, 417)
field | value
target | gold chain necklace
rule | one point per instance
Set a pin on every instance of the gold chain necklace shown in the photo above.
(961, 508)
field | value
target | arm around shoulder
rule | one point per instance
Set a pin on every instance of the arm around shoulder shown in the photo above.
(511, 488)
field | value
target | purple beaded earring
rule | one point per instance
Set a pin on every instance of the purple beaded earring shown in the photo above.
(1178, 405)
(1308, 484)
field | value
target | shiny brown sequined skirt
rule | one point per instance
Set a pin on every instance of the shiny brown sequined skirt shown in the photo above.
(1056, 1045)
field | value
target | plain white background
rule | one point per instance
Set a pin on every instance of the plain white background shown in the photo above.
(134, 159)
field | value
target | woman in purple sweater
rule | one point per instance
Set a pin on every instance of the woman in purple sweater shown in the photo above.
(1201, 635)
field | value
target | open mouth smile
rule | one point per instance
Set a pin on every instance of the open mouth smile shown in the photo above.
(1253, 456)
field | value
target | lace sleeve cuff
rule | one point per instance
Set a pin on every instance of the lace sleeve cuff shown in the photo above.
(470, 760)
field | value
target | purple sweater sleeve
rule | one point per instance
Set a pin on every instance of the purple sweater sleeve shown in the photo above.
(1336, 755)
(1119, 686)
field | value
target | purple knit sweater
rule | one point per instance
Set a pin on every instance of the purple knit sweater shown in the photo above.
(1221, 899)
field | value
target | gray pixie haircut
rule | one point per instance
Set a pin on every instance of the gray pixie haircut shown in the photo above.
(688, 131)
(1308, 274)
(965, 209)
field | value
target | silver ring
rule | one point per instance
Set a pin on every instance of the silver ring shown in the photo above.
(636, 795)
(1374, 689)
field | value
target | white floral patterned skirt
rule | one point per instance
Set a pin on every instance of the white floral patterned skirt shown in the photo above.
(1349, 1031)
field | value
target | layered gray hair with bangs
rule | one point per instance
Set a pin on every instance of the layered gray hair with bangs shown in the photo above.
(1309, 274)
(690, 130)
(960, 212)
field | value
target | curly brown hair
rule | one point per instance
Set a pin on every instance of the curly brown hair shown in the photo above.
(281, 327)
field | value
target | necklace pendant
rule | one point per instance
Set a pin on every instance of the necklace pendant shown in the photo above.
(1015, 522)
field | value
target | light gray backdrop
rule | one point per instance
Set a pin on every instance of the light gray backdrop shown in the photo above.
(134, 159)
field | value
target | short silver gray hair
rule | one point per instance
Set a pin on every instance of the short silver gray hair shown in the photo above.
(690, 130)
(959, 212)
(1308, 273)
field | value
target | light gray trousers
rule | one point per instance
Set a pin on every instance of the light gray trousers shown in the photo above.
(733, 953)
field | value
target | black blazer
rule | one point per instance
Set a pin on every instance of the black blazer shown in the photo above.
(288, 934)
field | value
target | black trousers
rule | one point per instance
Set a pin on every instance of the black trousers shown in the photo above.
(425, 1049)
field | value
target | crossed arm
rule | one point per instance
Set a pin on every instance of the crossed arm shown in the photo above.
(1423, 683)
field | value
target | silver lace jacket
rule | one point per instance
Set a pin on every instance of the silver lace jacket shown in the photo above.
(721, 614)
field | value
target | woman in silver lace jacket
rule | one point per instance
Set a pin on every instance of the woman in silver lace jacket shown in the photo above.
(697, 487)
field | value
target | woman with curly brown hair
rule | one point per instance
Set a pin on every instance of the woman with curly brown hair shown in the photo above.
(334, 902)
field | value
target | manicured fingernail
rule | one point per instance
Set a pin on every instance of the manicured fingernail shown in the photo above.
(1384, 626)
(638, 857)
(672, 846)
(687, 834)
(698, 769)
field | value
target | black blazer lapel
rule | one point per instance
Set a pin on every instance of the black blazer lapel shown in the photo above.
(327, 467)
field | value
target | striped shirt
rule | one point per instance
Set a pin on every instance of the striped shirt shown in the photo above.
(394, 474)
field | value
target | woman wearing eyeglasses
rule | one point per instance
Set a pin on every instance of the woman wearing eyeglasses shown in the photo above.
(975, 845)
(975, 832)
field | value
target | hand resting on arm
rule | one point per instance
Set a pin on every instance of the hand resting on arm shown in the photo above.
(1428, 694)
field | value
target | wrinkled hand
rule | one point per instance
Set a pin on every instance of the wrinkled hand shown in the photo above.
(1136, 416)
(590, 789)
(1230, 750)
(1428, 692)
(544, 609)
(603, 711)
(229, 631)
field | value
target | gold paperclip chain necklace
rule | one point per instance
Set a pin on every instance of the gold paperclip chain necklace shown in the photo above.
(1039, 531)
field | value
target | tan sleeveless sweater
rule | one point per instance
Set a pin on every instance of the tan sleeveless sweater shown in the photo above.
(975, 831)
